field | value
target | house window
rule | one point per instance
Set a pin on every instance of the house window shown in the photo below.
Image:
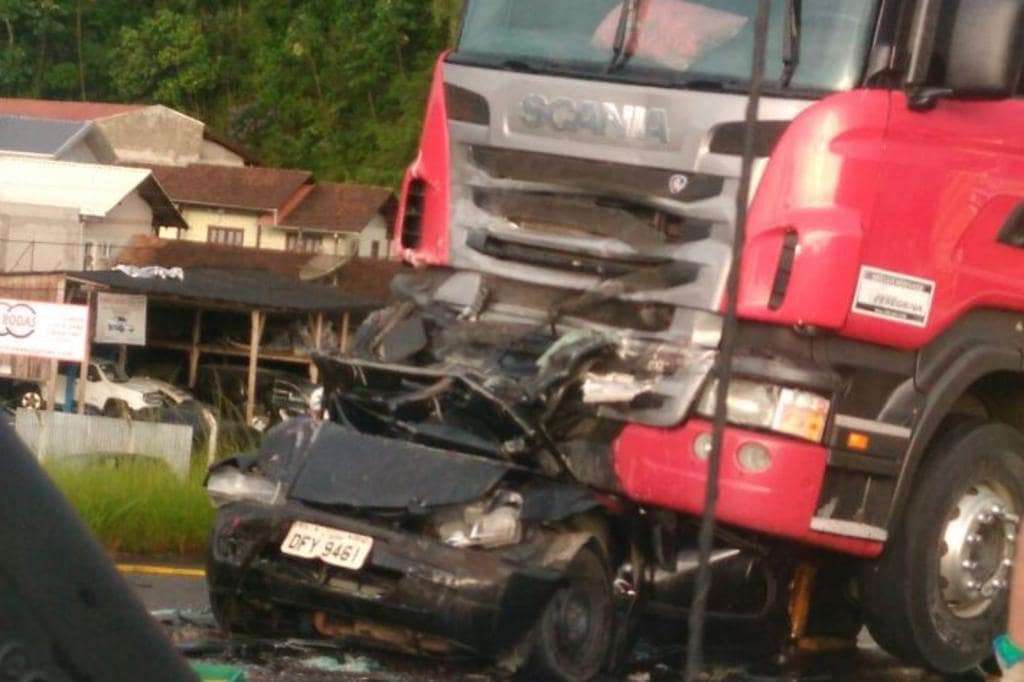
(226, 235)
(375, 249)
(304, 243)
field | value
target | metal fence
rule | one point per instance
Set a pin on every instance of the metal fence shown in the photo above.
(54, 436)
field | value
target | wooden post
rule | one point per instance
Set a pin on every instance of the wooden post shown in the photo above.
(314, 371)
(83, 371)
(193, 355)
(256, 325)
(51, 384)
(344, 333)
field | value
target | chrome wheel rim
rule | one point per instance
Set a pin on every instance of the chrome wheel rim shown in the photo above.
(32, 401)
(976, 554)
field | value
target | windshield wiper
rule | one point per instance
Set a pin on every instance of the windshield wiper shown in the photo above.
(624, 35)
(791, 44)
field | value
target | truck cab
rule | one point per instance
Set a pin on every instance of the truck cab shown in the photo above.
(571, 217)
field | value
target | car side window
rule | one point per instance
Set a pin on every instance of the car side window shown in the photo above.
(94, 374)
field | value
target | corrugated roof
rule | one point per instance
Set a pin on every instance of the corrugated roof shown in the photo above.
(338, 207)
(67, 111)
(42, 136)
(255, 289)
(91, 189)
(259, 189)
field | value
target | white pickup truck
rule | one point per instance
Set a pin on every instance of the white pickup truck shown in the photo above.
(110, 391)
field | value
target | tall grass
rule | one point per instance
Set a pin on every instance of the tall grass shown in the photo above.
(137, 506)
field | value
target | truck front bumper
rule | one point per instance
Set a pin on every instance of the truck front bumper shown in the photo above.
(661, 467)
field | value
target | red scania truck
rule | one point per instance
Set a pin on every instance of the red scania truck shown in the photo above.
(550, 365)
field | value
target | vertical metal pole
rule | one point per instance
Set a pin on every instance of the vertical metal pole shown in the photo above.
(723, 369)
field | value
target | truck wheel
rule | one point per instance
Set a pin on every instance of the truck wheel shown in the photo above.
(574, 634)
(938, 596)
(31, 400)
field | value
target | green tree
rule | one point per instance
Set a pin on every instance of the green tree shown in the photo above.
(166, 59)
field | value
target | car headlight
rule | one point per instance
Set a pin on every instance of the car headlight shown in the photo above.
(228, 485)
(495, 525)
(790, 411)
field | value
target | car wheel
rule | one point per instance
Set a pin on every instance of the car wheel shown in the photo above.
(573, 636)
(938, 596)
(116, 409)
(31, 400)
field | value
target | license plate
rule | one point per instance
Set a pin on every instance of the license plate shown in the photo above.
(336, 547)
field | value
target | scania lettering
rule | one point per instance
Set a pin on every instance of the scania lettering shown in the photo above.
(530, 421)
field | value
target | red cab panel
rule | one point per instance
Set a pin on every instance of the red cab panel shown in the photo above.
(427, 184)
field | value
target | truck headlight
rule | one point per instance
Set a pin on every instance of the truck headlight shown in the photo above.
(228, 485)
(790, 411)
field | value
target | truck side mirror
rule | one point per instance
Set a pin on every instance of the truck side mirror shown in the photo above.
(965, 49)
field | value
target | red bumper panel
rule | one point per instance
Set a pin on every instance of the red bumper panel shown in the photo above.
(658, 467)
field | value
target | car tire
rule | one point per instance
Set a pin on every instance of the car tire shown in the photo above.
(116, 409)
(573, 636)
(937, 596)
(31, 399)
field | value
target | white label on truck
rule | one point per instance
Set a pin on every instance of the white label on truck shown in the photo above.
(893, 296)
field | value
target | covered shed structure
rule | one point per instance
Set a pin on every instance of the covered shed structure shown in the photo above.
(188, 302)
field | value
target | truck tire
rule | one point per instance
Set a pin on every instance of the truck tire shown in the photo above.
(938, 596)
(573, 637)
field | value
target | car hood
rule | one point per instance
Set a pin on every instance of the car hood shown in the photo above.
(148, 385)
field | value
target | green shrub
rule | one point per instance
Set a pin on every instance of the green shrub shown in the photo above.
(138, 506)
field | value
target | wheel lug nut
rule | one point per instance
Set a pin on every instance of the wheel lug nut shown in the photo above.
(997, 510)
(969, 565)
(971, 585)
(985, 518)
(973, 539)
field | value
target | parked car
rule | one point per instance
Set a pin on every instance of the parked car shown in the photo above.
(110, 391)
(279, 394)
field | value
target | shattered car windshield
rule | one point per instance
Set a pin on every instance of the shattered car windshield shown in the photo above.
(671, 42)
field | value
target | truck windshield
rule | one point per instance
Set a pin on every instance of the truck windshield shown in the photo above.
(681, 43)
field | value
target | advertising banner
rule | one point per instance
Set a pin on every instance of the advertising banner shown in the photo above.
(43, 330)
(121, 319)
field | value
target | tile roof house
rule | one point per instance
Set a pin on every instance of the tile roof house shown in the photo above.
(232, 206)
(79, 141)
(359, 214)
(279, 209)
(139, 133)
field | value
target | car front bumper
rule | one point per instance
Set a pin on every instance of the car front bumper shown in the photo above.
(414, 593)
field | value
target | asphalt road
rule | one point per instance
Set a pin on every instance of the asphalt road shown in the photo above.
(181, 602)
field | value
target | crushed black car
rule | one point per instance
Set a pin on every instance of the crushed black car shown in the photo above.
(458, 496)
